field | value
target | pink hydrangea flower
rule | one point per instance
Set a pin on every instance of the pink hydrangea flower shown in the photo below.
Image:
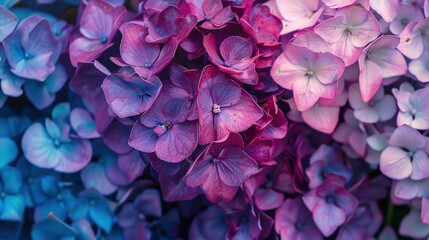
(311, 75)
(413, 108)
(349, 31)
(379, 60)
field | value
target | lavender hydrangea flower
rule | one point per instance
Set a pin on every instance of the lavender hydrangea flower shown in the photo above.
(49, 145)
(406, 156)
(32, 49)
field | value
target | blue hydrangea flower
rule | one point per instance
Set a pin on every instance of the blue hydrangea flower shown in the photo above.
(42, 94)
(11, 199)
(95, 208)
(49, 146)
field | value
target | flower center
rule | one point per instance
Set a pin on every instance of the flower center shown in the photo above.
(147, 64)
(57, 143)
(404, 22)
(228, 64)
(330, 199)
(142, 216)
(161, 129)
(103, 39)
(216, 108)
(309, 74)
(299, 225)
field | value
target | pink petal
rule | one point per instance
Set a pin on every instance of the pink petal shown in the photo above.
(369, 78)
(235, 49)
(411, 44)
(324, 119)
(306, 92)
(235, 166)
(216, 190)
(386, 8)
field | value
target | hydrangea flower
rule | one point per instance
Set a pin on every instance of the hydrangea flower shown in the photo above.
(379, 60)
(223, 107)
(212, 13)
(98, 25)
(134, 217)
(128, 94)
(413, 108)
(296, 15)
(404, 157)
(8, 23)
(170, 22)
(294, 221)
(379, 108)
(233, 57)
(311, 75)
(32, 49)
(147, 59)
(49, 146)
(414, 39)
(351, 29)
(330, 204)
(92, 206)
(221, 169)
(12, 200)
(165, 130)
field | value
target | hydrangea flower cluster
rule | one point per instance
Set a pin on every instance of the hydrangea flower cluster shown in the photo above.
(214, 119)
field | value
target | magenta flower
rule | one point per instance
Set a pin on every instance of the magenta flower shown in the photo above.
(261, 25)
(213, 12)
(311, 75)
(293, 221)
(128, 94)
(406, 156)
(165, 130)
(379, 60)
(349, 31)
(98, 26)
(184, 84)
(223, 106)
(234, 57)
(221, 169)
(168, 23)
(147, 59)
(330, 204)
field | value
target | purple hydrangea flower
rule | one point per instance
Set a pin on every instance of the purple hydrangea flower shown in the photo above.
(223, 107)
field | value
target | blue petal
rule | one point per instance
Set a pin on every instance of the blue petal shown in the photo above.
(8, 151)
(94, 176)
(52, 228)
(8, 23)
(102, 216)
(13, 208)
(49, 185)
(11, 179)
